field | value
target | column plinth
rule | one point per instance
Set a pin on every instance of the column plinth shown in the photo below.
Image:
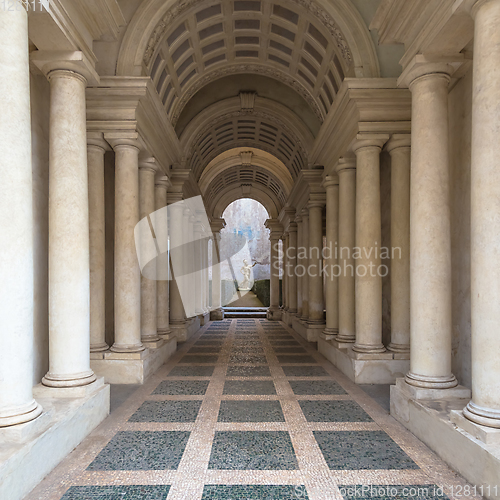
(17, 405)
(127, 271)
(346, 170)
(69, 254)
(430, 241)
(484, 409)
(331, 184)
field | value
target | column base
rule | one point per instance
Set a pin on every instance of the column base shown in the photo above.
(99, 347)
(74, 380)
(152, 339)
(126, 348)
(274, 314)
(31, 450)
(482, 416)
(426, 382)
(185, 330)
(329, 333)
(308, 331)
(345, 339)
(204, 318)
(441, 425)
(369, 349)
(132, 367)
(364, 368)
(217, 314)
(21, 415)
(166, 334)
(403, 348)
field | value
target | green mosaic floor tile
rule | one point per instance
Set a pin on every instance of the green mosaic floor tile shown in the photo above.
(254, 492)
(192, 371)
(305, 371)
(289, 350)
(199, 358)
(150, 492)
(142, 450)
(248, 371)
(167, 411)
(204, 350)
(251, 411)
(318, 387)
(252, 450)
(333, 411)
(362, 450)
(182, 388)
(249, 387)
(392, 492)
(245, 357)
(284, 358)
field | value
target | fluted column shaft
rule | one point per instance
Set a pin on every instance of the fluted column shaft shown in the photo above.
(368, 280)
(17, 405)
(316, 305)
(127, 271)
(305, 262)
(485, 206)
(346, 171)
(149, 333)
(162, 288)
(430, 244)
(399, 149)
(95, 160)
(292, 267)
(331, 185)
(69, 259)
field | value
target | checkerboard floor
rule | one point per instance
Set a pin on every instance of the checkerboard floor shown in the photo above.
(248, 410)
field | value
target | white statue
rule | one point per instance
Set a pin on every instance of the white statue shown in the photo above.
(246, 271)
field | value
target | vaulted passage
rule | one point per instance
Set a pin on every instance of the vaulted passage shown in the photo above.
(360, 141)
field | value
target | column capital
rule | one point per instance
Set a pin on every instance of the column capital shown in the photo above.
(304, 213)
(398, 141)
(298, 219)
(370, 141)
(345, 164)
(470, 6)
(316, 204)
(163, 182)
(330, 181)
(216, 225)
(123, 139)
(149, 164)
(292, 227)
(70, 61)
(96, 139)
(430, 66)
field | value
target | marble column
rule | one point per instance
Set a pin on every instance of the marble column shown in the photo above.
(176, 244)
(162, 289)
(305, 262)
(274, 291)
(331, 184)
(205, 243)
(216, 279)
(292, 267)
(147, 173)
(346, 170)
(368, 280)
(96, 148)
(430, 243)
(69, 254)
(127, 271)
(284, 291)
(300, 269)
(484, 408)
(17, 405)
(316, 304)
(399, 149)
(198, 276)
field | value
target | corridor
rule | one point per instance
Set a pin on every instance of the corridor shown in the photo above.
(246, 409)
